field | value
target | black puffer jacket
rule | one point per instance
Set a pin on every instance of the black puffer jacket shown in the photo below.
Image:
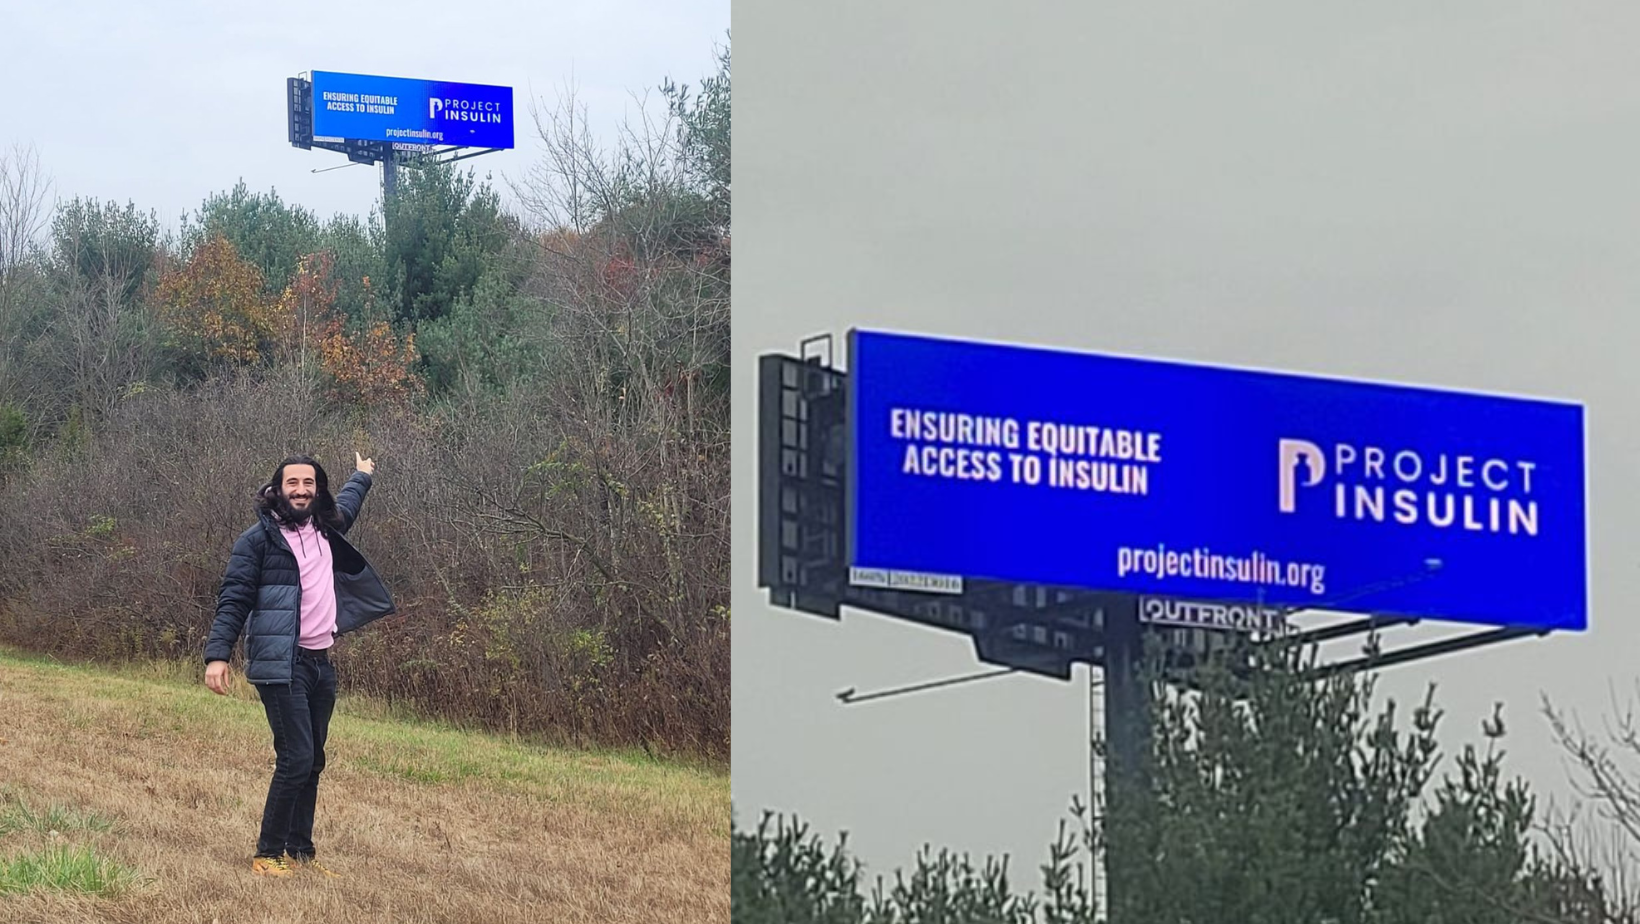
(262, 593)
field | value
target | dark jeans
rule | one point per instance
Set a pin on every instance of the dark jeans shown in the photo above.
(299, 714)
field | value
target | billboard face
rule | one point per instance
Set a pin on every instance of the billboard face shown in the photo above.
(426, 112)
(1167, 479)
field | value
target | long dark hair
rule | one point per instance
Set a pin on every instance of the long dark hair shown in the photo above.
(270, 498)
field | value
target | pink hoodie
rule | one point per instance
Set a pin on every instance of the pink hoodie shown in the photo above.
(313, 562)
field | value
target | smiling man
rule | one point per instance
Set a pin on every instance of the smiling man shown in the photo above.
(293, 584)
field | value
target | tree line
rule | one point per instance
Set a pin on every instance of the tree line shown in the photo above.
(1269, 796)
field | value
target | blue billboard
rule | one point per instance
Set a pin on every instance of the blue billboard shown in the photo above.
(426, 112)
(1167, 479)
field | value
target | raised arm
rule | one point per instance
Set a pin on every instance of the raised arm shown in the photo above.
(351, 497)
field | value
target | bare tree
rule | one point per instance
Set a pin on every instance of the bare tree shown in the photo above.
(634, 489)
(23, 214)
(1607, 774)
(580, 182)
(96, 336)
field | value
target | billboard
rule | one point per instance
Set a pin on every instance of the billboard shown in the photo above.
(1169, 479)
(413, 112)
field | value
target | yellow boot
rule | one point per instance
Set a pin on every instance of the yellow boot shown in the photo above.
(271, 866)
(312, 866)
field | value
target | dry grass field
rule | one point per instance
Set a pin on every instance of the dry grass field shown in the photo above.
(135, 795)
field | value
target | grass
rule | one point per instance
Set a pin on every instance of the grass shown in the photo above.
(16, 815)
(139, 793)
(397, 715)
(65, 869)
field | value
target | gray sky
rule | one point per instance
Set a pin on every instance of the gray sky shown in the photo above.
(164, 103)
(1437, 194)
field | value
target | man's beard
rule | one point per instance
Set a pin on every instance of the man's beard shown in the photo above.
(291, 515)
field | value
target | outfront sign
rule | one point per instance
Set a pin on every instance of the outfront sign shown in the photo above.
(358, 107)
(1227, 617)
(1203, 482)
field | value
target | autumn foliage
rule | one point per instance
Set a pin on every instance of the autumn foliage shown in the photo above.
(373, 366)
(367, 364)
(307, 304)
(214, 306)
(216, 309)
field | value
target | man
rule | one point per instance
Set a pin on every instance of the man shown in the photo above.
(292, 585)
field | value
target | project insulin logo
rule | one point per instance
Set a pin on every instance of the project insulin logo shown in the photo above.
(1406, 487)
(1296, 454)
(464, 110)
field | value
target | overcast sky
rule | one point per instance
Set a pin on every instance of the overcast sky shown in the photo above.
(164, 103)
(1437, 194)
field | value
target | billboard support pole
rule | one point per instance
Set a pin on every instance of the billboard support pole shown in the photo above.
(1098, 851)
(390, 179)
(1127, 731)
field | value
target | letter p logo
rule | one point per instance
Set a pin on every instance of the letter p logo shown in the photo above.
(1293, 453)
(433, 106)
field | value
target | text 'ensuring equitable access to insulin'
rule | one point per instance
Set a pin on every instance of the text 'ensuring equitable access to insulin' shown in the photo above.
(360, 102)
(1006, 450)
